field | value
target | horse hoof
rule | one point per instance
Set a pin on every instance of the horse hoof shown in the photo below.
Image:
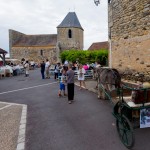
(98, 97)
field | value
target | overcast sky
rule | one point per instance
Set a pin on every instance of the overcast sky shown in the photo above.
(43, 16)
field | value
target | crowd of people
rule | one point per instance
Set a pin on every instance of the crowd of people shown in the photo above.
(67, 76)
(65, 73)
(11, 69)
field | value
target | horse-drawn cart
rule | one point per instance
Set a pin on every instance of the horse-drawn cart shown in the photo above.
(132, 112)
(132, 104)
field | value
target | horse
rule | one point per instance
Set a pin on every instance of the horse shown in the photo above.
(108, 79)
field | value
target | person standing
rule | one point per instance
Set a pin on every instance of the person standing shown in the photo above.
(26, 68)
(32, 64)
(81, 77)
(70, 84)
(43, 69)
(47, 66)
(98, 64)
(62, 84)
(85, 67)
(56, 71)
(60, 69)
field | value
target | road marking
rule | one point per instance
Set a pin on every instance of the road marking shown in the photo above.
(26, 88)
(11, 103)
(5, 107)
(22, 125)
(22, 129)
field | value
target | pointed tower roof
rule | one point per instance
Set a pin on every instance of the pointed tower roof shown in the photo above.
(71, 20)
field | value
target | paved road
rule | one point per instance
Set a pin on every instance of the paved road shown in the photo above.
(53, 124)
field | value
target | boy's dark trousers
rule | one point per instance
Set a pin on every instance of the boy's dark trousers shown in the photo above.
(70, 88)
(43, 76)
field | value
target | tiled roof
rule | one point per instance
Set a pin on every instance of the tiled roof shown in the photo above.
(2, 51)
(71, 20)
(99, 45)
(36, 40)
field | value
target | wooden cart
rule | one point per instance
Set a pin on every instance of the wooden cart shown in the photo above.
(130, 115)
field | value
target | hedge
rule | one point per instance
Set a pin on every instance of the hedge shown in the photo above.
(85, 56)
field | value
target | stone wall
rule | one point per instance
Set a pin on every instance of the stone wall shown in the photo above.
(76, 42)
(34, 53)
(129, 31)
(13, 37)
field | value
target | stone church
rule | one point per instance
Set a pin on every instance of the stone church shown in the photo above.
(40, 47)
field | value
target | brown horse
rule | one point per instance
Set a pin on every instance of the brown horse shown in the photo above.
(107, 80)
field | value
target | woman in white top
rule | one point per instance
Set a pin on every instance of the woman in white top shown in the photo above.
(26, 69)
(81, 76)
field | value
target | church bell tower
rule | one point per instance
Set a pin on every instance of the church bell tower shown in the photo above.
(70, 33)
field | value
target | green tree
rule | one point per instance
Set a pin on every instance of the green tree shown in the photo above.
(84, 56)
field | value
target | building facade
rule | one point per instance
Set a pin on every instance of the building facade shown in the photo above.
(40, 47)
(129, 34)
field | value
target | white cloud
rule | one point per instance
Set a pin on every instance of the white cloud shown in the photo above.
(43, 16)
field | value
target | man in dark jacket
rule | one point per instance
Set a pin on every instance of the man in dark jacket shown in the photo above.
(70, 84)
(43, 69)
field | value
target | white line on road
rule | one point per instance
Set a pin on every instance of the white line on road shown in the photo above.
(26, 88)
(22, 125)
(22, 129)
(5, 107)
(8, 103)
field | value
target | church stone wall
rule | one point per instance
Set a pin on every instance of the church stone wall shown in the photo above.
(13, 37)
(34, 53)
(129, 30)
(76, 42)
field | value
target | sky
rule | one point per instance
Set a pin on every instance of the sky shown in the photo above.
(43, 16)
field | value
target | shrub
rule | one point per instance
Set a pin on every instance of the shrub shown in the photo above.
(84, 56)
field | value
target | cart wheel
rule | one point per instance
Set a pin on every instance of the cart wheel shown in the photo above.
(125, 131)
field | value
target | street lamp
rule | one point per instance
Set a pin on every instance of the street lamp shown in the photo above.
(96, 2)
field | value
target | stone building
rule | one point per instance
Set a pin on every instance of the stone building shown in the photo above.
(129, 34)
(39, 47)
(99, 46)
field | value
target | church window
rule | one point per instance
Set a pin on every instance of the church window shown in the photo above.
(69, 33)
(41, 52)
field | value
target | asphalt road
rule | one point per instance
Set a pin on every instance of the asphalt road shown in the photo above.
(53, 124)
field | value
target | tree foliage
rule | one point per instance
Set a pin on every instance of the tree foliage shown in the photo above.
(85, 56)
